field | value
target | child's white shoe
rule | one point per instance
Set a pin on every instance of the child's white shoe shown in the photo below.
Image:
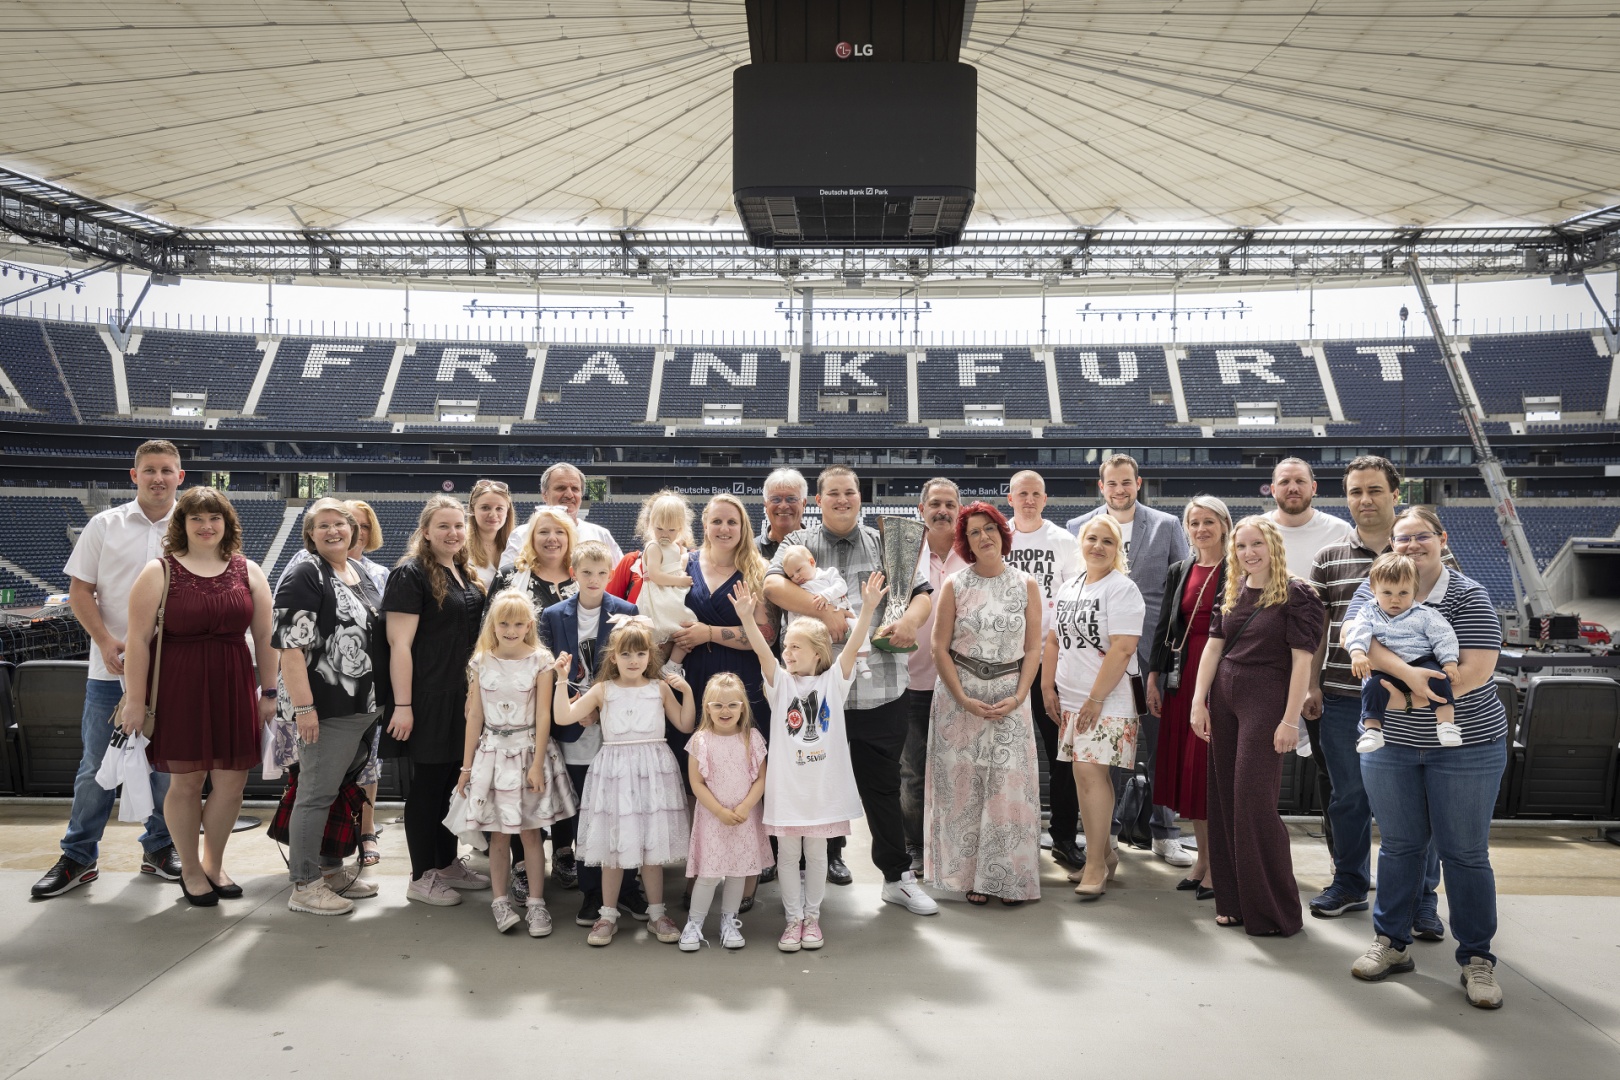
(1450, 734)
(862, 669)
(539, 918)
(731, 932)
(1371, 739)
(672, 668)
(692, 938)
(505, 917)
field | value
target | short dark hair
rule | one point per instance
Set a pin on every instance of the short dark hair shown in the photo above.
(984, 508)
(1310, 472)
(202, 500)
(1368, 462)
(1116, 460)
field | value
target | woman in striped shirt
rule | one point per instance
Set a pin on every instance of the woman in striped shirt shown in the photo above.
(1418, 794)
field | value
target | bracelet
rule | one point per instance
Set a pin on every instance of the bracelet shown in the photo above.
(402, 705)
(1295, 725)
(466, 768)
(300, 710)
(1095, 701)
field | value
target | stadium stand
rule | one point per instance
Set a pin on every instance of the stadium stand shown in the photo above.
(1115, 389)
(168, 361)
(336, 380)
(26, 360)
(1500, 366)
(588, 386)
(1216, 377)
(756, 379)
(494, 374)
(951, 380)
(831, 381)
(85, 365)
(1374, 378)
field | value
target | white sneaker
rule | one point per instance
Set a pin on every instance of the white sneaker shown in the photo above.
(692, 938)
(347, 882)
(1450, 735)
(459, 876)
(730, 932)
(317, 898)
(1381, 960)
(907, 893)
(428, 889)
(505, 917)
(1479, 983)
(1303, 748)
(1371, 739)
(1173, 853)
(539, 918)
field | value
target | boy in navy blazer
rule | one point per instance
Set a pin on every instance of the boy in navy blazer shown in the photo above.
(587, 613)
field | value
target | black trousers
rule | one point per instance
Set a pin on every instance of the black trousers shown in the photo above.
(1324, 782)
(1061, 798)
(877, 737)
(432, 846)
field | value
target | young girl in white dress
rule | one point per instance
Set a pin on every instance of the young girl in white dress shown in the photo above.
(726, 764)
(632, 811)
(812, 795)
(513, 779)
(666, 536)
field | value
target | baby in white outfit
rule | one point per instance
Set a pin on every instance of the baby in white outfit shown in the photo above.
(828, 588)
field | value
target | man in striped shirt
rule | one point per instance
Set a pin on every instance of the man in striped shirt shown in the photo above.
(1372, 487)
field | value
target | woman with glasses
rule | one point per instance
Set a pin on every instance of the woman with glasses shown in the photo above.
(1420, 792)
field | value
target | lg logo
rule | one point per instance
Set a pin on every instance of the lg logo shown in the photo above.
(845, 50)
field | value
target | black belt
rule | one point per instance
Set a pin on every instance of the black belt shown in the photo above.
(985, 670)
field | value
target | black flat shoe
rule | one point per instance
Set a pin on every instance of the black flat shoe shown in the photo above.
(233, 891)
(1204, 894)
(767, 875)
(207, 899)
(1188, 884)
(838, 871)
(1069, 854)
(746, 905)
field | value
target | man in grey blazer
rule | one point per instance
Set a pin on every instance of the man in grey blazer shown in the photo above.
(1154, 541)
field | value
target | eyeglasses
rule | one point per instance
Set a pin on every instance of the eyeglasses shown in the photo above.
(783, 500)
(1413, 538)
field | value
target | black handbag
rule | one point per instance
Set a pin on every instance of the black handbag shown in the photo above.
(1178, 653)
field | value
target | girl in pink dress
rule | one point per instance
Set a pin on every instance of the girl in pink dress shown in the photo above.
(726, 764)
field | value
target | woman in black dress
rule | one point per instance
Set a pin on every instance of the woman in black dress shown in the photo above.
(433, 605)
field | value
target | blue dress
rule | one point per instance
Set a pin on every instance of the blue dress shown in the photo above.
(707, 661)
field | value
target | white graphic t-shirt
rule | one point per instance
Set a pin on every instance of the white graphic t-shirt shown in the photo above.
(1087, 616)
(812, 780)
(1051, 556)
(1126, 530)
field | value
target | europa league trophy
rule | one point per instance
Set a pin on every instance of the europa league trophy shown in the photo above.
(901, 544)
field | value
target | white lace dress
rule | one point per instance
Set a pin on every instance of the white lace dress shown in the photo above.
(633, 809)
(498, 796)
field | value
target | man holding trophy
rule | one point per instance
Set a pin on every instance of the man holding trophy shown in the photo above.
(876, 708)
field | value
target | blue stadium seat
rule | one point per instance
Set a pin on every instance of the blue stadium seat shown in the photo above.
(1113, 389)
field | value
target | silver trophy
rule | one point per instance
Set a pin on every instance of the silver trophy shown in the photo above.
(900, 549)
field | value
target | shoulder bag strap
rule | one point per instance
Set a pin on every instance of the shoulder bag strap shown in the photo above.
(157, 658)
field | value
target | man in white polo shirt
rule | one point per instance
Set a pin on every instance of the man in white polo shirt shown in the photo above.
(562, 485)
(110, 554)
(1305, 530)
(1050, 554)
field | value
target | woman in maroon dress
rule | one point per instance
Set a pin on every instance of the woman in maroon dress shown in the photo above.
(1251, 686)
(210, 710)
(1193, 591)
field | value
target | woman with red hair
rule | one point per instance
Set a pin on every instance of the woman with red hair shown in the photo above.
(982, 800)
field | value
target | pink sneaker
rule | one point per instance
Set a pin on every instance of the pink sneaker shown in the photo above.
(811, 938)
(664, 929)
(792, 939)
(431, 889)
(458, 876)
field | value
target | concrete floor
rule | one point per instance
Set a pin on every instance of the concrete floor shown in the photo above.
(121, 978)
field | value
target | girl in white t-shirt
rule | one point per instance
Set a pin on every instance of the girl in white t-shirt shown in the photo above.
(811, 795)
(1084, 669)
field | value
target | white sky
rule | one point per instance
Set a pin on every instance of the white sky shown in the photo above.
(1278, 315)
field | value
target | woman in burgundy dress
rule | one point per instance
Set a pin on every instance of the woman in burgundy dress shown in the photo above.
(1195, 588)
(1251, 686)
(210, 708)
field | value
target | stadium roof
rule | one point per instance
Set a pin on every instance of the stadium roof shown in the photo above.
(617, 113)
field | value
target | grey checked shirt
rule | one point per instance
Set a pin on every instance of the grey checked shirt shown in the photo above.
(855, 556)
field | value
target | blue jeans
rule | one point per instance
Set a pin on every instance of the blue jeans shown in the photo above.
(92, 803)
(1349, 812)
(1443, 794)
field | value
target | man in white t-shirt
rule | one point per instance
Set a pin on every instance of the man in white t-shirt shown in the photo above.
(1305, 530)
(941, 503)
(562, 485)
(111, 552)
(1048, 553)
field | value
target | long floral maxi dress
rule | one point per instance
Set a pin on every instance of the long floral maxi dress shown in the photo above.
(982, 802)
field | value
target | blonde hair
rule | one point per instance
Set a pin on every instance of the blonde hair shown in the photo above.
(503, 605)
(362, 509)
(820, 641)
(1276, 590)
(321, 506)
(1390, 568)
(1214, 506)
(1107, 521)
(632, 635)
(528, 557)
(420, 550)
(726, 683)
(589, 551)
(669, 509)
(749, 562)
(490, 557)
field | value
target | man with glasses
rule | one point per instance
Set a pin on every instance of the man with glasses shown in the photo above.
(786, 493)
(1372, 488)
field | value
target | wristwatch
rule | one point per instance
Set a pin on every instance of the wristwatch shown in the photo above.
(267, 692)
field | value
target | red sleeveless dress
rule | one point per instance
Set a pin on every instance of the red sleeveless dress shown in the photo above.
(207, 700)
